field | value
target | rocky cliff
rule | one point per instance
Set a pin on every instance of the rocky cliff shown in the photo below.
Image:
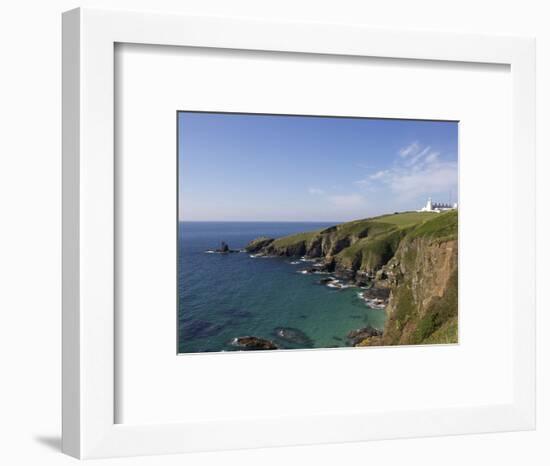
(413, 255)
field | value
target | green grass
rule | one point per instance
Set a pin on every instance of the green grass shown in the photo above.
(437, 325)
(372, 252)
(382, 223)
(447, 333)
(373, 241)
(442, 227)
(370, 227)
(380, 236)
(405, 311)
(407, 219)
(360, 228)
(294, 239)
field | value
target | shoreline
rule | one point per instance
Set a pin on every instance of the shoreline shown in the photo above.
(374, 298)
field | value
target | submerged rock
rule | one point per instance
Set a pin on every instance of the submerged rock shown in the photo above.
(293, 335)
(254, 343)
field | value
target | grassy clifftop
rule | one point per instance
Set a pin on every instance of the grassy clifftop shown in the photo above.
(363, 245)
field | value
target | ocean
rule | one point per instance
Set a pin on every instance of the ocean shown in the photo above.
(224, 296)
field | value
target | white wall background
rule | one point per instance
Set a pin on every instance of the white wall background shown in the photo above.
(30, 225)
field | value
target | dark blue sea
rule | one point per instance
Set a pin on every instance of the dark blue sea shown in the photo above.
(223, 296)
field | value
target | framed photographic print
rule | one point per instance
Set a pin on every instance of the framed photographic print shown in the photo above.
(269, 232)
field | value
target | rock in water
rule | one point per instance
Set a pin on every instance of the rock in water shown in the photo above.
(360, 334)
(254, 343)
(375, 298)
(376, 293)
(223, 249)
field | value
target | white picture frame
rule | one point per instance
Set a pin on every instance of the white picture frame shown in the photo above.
(89, 38)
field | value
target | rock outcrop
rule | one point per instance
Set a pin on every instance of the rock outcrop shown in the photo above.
(355, 337)
(423, 304)
(258, 244)
(254, 343)
(223, 249)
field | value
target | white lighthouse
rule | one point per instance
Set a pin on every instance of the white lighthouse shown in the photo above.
(437, 206)
(428, 205)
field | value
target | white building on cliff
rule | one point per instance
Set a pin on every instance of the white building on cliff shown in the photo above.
(437, 206)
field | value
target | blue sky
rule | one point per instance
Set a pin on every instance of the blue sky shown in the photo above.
(245, 167)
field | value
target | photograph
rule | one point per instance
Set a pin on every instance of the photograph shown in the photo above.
(313, 232)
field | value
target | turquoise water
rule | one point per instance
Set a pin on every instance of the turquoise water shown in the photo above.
(223, 296)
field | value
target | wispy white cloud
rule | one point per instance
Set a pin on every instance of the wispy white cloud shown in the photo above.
(316, 191)
(417, 156)
(368, 181)
(379, 175)
(411, 149)
(432, 178)
(432, 157)
(417, 171)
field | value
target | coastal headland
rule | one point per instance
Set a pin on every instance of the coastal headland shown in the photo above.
(405, 263)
